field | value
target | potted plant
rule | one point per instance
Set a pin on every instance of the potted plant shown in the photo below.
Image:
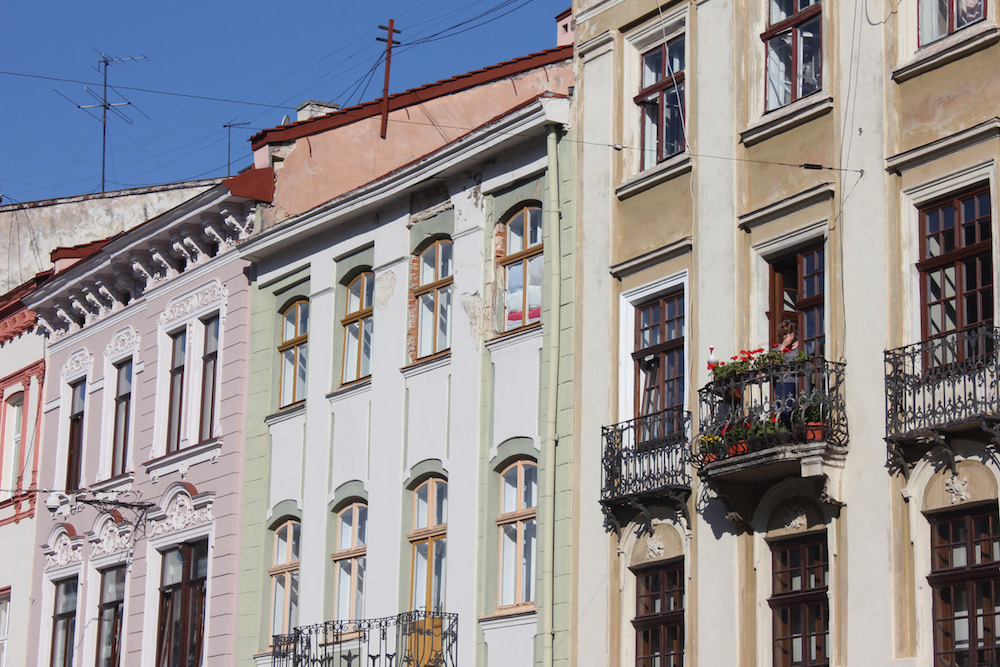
(815, 422)
(708, 448)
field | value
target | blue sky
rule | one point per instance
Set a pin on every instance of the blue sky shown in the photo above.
(276, 55)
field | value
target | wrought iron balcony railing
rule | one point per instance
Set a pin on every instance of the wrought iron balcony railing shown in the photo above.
(942, 382)
(646, 454)
(411, 639)
(782, 404)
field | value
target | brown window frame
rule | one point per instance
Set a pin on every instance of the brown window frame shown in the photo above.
(671, 83)
(67, 637)
(298, 342)
(361, 317)
(356, 553)
(287, 566)
(433, 534)
(193, 592)
(522, 257)
(660, 353)
(520, 517)
(436, 286)
(801, 306)
(946, 576)
(953, 27)
(209, 387)
(797, 601)
(659, 609)
(122, 418)
(77, 424)
(116, 607)
(175, 400)
(792, 25)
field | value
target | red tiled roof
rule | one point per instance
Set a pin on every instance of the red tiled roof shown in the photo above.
(82, 251)
(410, 97)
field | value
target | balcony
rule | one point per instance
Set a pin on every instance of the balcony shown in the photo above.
(770, 422)
(411, 639)
(942, 387)
(644, 458)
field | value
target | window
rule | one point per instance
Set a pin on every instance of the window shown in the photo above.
(181, 624)
(956, 265)
(965, 580)
(659, 355)
(123, 411)
(523, 269)
(285, 578)
(4, 625)
(175, 414)
(429, 545)
(109, 617)
(433, 297)
(797, 295)
(659, 616)
(209, 372)
(799, 604)
(12, 450)
(74, 459)
(358, 328)
(64, 623)
(661, 102)
(518, 500)
(294, 352)
(943, 17)
(793, 47)
(349, 561)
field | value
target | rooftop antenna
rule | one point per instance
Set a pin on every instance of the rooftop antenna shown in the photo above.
(229, 144)
(102, 101)
(389, 40)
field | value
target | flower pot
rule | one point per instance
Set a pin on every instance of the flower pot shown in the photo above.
(815, 431)
(708, 457)
(738, 448)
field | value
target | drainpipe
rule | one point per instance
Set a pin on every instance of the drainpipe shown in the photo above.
(547, 499)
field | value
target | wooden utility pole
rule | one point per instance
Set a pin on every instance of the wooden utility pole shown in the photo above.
(389, 41)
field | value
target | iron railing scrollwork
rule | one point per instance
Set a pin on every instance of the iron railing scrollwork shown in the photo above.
(646, 454)
(411, 639)
(791, 402)
(942, 382)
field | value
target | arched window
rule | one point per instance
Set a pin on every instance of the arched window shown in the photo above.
(433, 292)
(518, 502)
(429, 545)
(523, 268)
(358, 328)
(285, 578)
(349, 561)
(294, 352)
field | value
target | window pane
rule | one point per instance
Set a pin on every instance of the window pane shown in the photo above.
(536, 269)
(366, 347)
(212, 335)
(530, 486)
(508, 556)
(779, 71)
(354, 295)
(293, 600)
(173, 567)
(362, 525)
(514, 298)
(351, 352)
(652, 67)
(421, 506)
(509, 501)
(535, 225)
(303, 318)
(441, 503)
(425, 335)
(125, 378)
(650, 130)
(300, 376)
(346, 529)
(781, 10)
(675, 56)
(673, 120)
(359, 594)
(296, 530)
(933, 20)
(810, 61)
(177, 360)
(528, 561)
(369, 290)
(79, 391)
(427, 261)
(287, 376)
(278, 610)
(444, 319)
(445, 268)
(288, 328)
(281, 546)
(344, 589)
(420, 575)
(438, 575)
(515, 234)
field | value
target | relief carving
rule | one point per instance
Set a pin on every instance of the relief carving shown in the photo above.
(112, 538)
(207, 296)
(13, 326)
(63, 553)
(795, 518)
(126, 340)
(78, 363)
(958, 487)
(180, 514)
(654, 547)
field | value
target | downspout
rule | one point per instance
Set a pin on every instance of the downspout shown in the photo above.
(547, 499)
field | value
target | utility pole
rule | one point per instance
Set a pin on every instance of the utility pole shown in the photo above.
(389, 41)
(229, 144)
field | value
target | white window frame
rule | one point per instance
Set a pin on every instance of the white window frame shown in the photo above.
(93, 588)
(79, 366)
(7, 482)
(124, 346)
(5, 603)
(51, 578)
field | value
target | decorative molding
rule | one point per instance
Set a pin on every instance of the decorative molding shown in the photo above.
(939, 148)
(182, 512)
(66, 551)
(112, 537)
(779, 209)
(124, 341)
(958, 487)
(646, 260)
(654, 547)
(79, 363)
(182, 460)
(775, 122)
(16, 324)
(795, 518)
(950, 49)
(646, 179)
(213, 293)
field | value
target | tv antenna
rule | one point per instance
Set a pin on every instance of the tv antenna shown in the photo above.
(390, 32)
(102, 102)
(229, 144)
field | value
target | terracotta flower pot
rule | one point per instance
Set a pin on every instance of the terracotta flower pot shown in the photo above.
(815, 431)
(738, 448)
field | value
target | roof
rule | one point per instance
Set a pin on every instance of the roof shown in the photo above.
(411, 97)
(81, 251)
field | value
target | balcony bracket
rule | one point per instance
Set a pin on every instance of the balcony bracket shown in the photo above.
(611, 521)
(896, 462)
(645, 518)
(991, 425)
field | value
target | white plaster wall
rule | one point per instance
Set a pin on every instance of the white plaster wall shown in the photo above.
(287, 456)
(515, 402)
(510, 641)
(427, 414)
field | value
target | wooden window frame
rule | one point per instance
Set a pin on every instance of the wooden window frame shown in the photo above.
(362, 315)
(68, 636)
(945, 575)
(659, 352)
(209, 388)
(799, 600)
(672, 83)
(776, 312)
(287, 568)
(952, 21)
(13, 440)
(671, 614)
(357, 553)
(792, 24)
(117, 607)
(193, 593)
(4, 621)
(519, 517)
(299, 340)
(436, 287)
(431, 534)
(175, 400)
(522, 257)
(77, 424)
(122, 411)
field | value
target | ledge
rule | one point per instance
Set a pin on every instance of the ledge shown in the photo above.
(953, 47)
(514, 337)
(644, 180)
(786, 206)
(346, 391)
(285, 413)
(114, 484)
(182, 460)
(787, 117)
(440, 360)
(520, 615)
(645, 260)
(935, 150)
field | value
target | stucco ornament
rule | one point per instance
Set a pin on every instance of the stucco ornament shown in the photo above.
(795, 518)
(958, 487)
(14, 325)
(112, 538)
(124, 341)
(209, 295)
(64, 552)
(78, 363)
(180, 514)
(654, 547)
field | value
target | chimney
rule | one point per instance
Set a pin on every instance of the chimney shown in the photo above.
(565, 27)
(313, 108)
